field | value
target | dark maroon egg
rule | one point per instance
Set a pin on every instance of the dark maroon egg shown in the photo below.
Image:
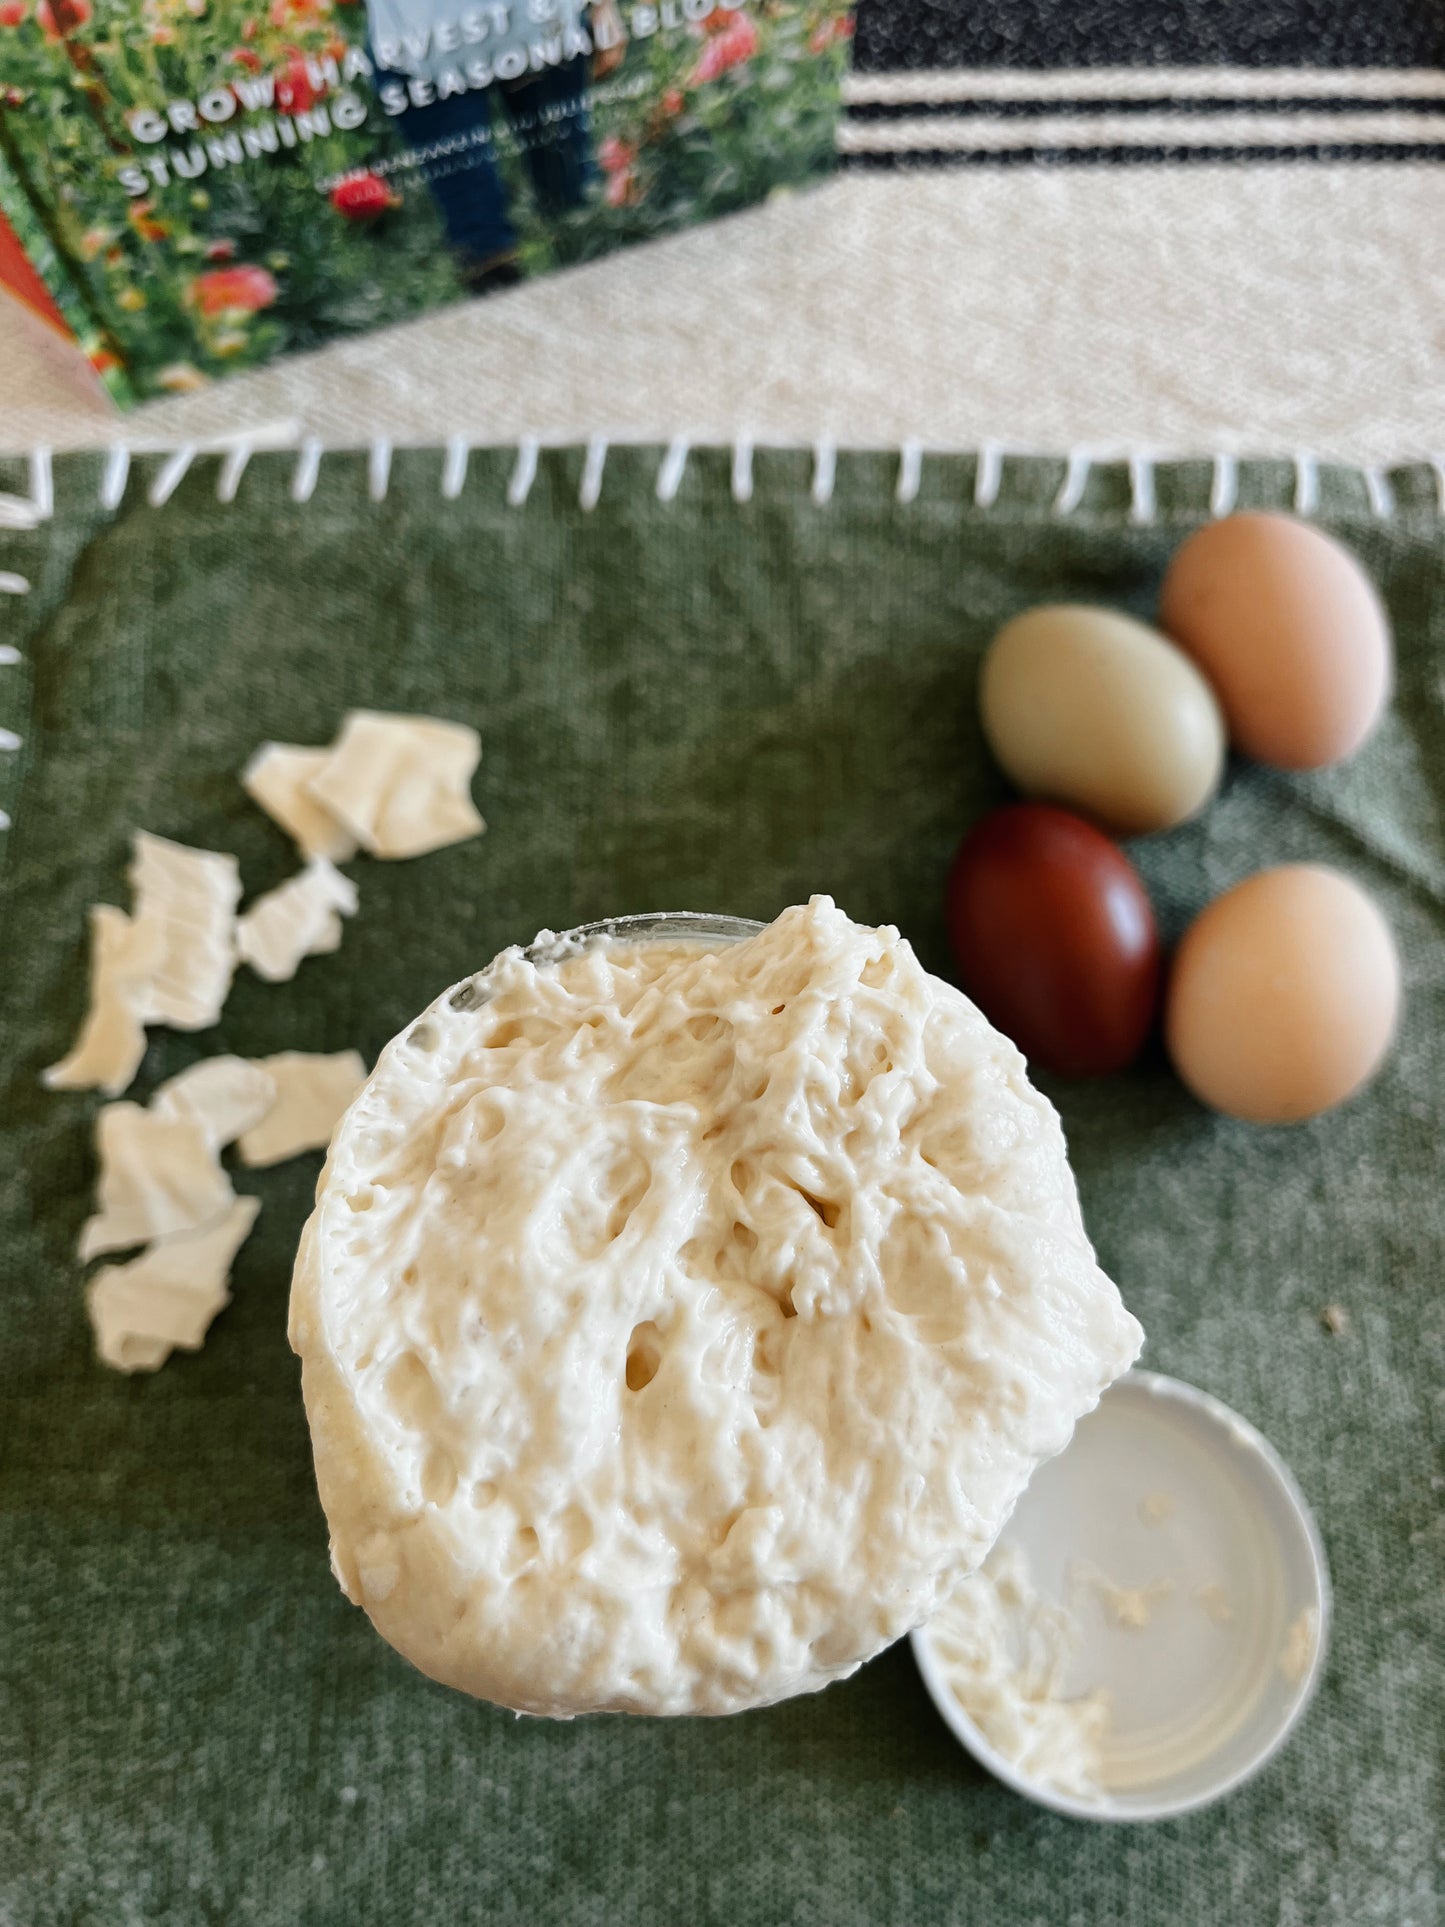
(1055, 939)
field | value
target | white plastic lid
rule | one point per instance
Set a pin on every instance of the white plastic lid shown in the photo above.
(1187, 1558)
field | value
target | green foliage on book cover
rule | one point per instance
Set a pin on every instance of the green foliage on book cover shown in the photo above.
(199, 277)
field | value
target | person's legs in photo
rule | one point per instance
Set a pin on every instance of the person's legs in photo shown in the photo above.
(550, 117)
(466, 184)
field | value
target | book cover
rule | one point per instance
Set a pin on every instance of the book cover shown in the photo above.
(203, 185)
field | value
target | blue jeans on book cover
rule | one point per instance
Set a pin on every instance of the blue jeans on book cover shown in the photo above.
(548, 114)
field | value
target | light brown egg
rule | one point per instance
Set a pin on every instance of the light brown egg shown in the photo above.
(1283, 995)
(1089, 708)
(1288, 628)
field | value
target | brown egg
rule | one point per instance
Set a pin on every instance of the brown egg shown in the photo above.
(1288, 628)
(1283, 995)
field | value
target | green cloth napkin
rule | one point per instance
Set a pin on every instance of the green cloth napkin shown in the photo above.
(699, 703)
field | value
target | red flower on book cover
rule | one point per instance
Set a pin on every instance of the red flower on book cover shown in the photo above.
(222, 250)
(234, 290)
(615, 155)
(827, 31)
(142, 217)
(673, 102)
(243, 57)
(61, 17)
(296, 91)
(737, 42)
(12, 13)
(361, 197)
(305, 13)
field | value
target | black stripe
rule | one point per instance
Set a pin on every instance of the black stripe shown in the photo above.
(1049, 35)
(1132, 104)
(1142, 156)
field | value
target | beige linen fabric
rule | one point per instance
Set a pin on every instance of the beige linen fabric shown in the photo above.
(1271, 309)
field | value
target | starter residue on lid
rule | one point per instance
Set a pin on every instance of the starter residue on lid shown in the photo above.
(1130, 1607)
(1005, 1650)
(1297, 1655)
(1204, 1629)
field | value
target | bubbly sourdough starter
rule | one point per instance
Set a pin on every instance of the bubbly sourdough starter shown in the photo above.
(677, 1327)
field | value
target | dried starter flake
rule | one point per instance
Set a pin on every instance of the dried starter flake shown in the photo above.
(312, 1091)
(189, 897)
(401, 784)
(158, 1175)
(168, 1296)
(277, 777)
(300, 918)
(107, 1053)
(223, 1096)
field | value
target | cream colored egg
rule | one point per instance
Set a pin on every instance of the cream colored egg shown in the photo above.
(1289, 629)
(1088, 708)
(1284, 995)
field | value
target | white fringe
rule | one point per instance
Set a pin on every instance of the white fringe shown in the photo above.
(454, 468)
(1076, 480)
(114, 476)
(742, 475)
(42, 482)
(1141, 489)
(910, 470)
(169, 476)
(308, 469)
(589, 491)
(378, 469)
(670, 469)
(1223, 486)
(1377, 487)
(987, 475)
(1306, 484)
(233, 467)
(525, 472)
(22, 513)
(18, 512)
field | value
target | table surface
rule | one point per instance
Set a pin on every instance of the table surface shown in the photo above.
(705, 703)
